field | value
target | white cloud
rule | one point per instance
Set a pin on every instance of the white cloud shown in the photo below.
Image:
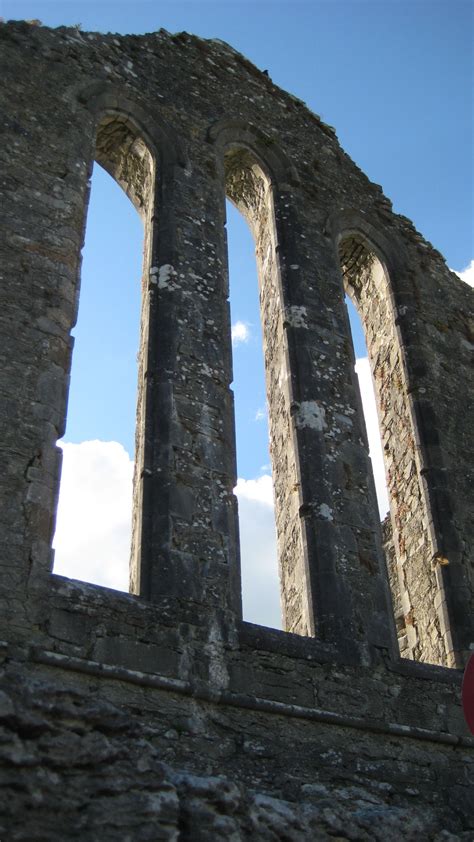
(92, 539)
(467, 274)
(261, 413)
(362, 368)
(260, 581)
(240, 333)
(260, 489)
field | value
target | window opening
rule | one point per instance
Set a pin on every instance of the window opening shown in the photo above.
(93, 531)
(406, 537)
(254, 490)
(251, 190)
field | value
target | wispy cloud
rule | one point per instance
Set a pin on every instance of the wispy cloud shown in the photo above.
(261, 413)
(467, 274)
(240, 333)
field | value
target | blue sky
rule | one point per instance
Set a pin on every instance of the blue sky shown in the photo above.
(394, 78)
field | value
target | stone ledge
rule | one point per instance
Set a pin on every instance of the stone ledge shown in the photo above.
(240, 700)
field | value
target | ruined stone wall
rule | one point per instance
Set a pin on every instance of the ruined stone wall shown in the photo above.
(164, 689)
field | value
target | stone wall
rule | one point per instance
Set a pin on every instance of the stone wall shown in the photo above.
(88, 755)
(159, 713)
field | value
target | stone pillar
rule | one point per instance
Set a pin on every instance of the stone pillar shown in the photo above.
(187, 546)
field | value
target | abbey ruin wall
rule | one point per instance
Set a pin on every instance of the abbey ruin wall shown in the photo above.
(194, 721)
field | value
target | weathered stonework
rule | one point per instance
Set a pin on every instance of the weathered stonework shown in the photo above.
(160, 714)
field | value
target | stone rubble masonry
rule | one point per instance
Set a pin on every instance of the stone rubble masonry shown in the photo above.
(160, 714)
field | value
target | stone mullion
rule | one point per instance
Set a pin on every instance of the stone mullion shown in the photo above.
(188, 520)
(344, 575)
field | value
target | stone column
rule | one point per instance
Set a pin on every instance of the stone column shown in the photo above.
(186, 549)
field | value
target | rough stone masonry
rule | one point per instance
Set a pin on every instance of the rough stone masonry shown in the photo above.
(160, 714)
